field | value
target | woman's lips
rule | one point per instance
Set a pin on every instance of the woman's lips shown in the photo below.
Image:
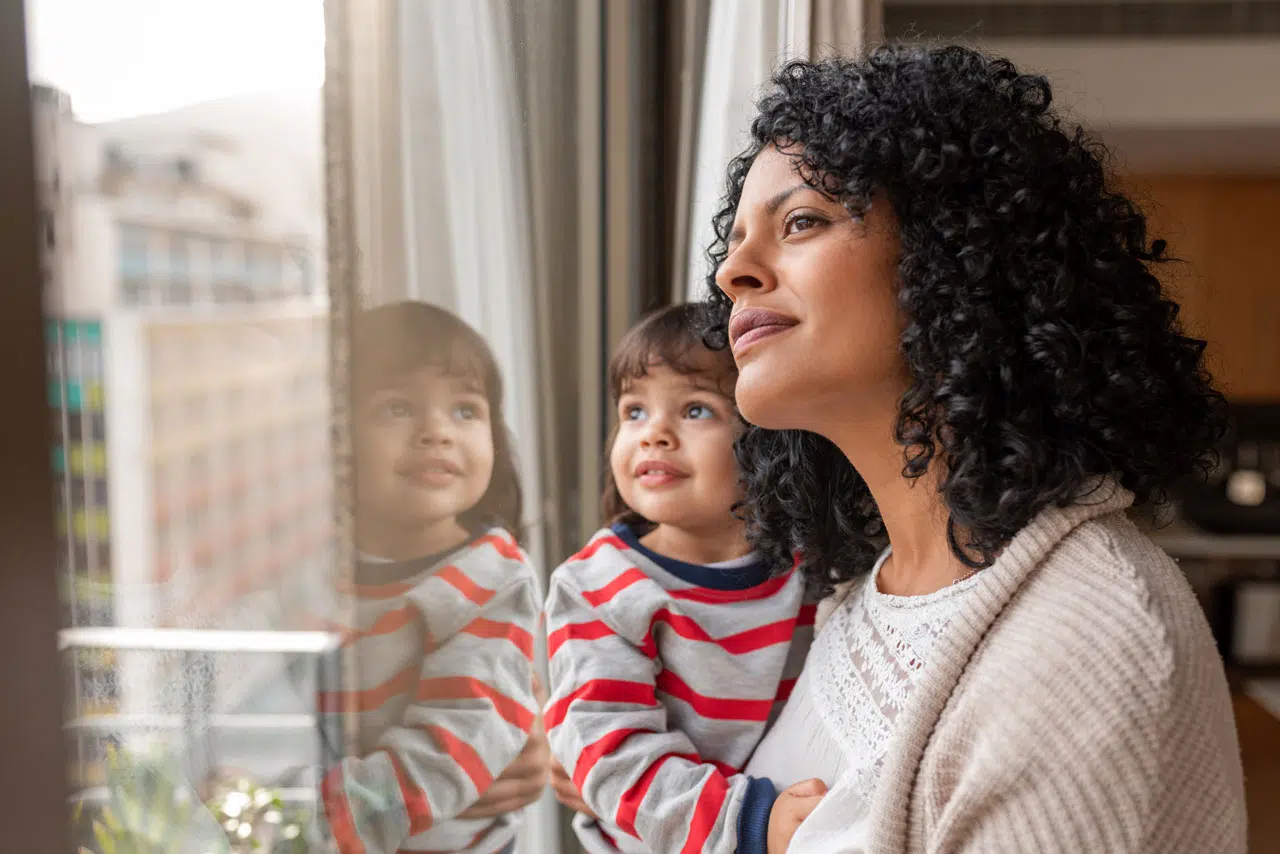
(750, 325)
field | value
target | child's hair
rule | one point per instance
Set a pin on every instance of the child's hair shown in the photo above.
(669, 336)
(398, 338)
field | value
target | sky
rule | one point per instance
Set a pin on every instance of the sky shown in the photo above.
(124, 58)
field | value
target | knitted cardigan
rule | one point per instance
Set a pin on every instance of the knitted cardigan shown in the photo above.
(1075, 703)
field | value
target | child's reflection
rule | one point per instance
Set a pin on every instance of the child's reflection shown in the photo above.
(444, 603)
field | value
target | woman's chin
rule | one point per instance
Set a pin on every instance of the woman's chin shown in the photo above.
(762, 402)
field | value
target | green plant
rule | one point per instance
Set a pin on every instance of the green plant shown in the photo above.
(150, 809)
(256, 819)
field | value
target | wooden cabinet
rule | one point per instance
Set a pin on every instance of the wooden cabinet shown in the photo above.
(1226, 231)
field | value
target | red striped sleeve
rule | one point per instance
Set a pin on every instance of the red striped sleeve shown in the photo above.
(465, 755)
(629, 805)
(598, 597)
(493, 630)
(601, 691)
(459, 581)
(706, 813)
(597, 750)
(370, 699)
(415, 800)
(808, 615)
(594, 630)
(338, 812)
(714, 707)
(466, 688)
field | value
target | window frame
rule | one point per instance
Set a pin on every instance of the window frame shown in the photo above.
(33, 783)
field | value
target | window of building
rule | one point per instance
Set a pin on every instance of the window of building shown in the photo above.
(135, 262)
(179, 270)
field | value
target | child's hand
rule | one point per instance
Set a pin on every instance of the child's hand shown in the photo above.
(522, 782)
(792, 807)
(566, 792)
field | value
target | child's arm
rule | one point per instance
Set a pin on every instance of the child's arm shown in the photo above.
(608, 729)
(472, 715)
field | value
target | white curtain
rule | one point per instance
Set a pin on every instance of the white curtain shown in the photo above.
(746, 41)
(468, 226)
(468, 222)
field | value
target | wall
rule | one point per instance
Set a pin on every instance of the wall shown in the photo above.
(1166, 83)
(1225, 229)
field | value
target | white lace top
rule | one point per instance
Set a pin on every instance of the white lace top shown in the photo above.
(863, 665)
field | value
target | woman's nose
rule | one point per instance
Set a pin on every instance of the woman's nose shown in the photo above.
(742, 271)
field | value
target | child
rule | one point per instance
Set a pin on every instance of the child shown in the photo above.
(671, 645)
(444, 603)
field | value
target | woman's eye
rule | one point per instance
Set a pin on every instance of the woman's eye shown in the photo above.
(802, 222)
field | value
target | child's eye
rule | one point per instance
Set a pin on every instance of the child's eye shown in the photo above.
(700, 411)
(396, 409)
(634, 412)
(466, 412)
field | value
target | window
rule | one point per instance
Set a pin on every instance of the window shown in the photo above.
(227, 263)
(265, 268)
(179, 270)
(134, 262)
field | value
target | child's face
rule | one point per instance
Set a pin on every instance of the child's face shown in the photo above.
(424, 449)
(672, 458)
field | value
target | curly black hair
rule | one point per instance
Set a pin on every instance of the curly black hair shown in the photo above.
(1042, 349)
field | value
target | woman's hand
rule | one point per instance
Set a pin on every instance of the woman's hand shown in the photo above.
(523, 780)
(789, 810)
(566, 792)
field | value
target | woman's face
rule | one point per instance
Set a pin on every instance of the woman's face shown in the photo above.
(815, 327)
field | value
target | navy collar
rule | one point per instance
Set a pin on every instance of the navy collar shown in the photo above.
(716, 578)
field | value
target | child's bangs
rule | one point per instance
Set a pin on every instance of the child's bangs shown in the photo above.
(671, 338)
(436, 340)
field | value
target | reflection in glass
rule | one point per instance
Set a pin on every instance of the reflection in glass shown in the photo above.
(187, 330)
(444, 605)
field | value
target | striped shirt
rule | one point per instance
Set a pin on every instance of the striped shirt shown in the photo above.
(664, 677)
(443, 691)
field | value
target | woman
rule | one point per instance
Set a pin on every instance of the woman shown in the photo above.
(962, 371)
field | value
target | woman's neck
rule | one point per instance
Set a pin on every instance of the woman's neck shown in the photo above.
(915, 517)
(395, 541)
(698, 546)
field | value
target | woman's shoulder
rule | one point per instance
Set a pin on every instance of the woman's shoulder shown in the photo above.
(1107, 568)
(1098, 676)
(1106, 599)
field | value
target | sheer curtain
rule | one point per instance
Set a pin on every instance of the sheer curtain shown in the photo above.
(467, 213)
(746, 41)
(441, 194)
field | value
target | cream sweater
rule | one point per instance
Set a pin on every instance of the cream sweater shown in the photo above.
(1075, 703)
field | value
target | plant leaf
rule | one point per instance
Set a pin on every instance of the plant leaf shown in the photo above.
(103, 836)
